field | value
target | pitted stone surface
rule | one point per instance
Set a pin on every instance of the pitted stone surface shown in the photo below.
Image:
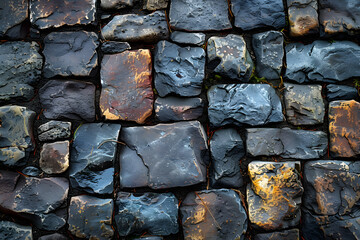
(231, 56)
(111, 47)
(340, 92)
(188, 38)
(13, 14)
(116, 4)
(178, 70)
(303, 17)
(251, 104)
(292, 234)
(154, 213)
(213, 214)
(54, 236)
(54, 130)
(152, 5)
(54, 157)
(10, 230)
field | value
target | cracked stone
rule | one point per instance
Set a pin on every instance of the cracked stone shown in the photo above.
(54, 130)
(111, 47)
(11, 230)
(54, 157)
(303, 17)
(188, 38)
(340, 92)
(116, 4)
(292, 234)
(153, 5)
(13, 14)
(55, 236)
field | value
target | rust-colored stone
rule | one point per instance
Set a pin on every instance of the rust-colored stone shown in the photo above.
(303, 17)
(126, 86)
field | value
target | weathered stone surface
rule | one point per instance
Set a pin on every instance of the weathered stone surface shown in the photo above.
(154, 213)
(116, 4)
(152, 5)
(229, 56)
(20, 68)
(304, 104)
(199, 15)
(111, 47)
(91, 217)
(227, 148)
(56, 13)
(54, 130)
(292, 234)
(126, 92)
(340, 92)
(344, 125)
(16, 135)
(31, 171)
(303, 17)
(188, 38)
(55, 236)
(287, 143)
(92, 155)
(251, 104)
(70, 53)
(10, 230)
(68, 99)
(274, 194)
(269, 51)
(13, 14)
(135, 28)
(250, 14)
(178, 70)
(163, 156)
(178, 109)
(54, 157)
(213, 214)
(322, 61)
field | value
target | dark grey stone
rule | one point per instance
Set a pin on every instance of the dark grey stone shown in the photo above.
(110, 47)
(14, 231)
(149, 238)
(303, 17)
(251, 104)
(178, 70)
(54, 236)
(155, 213)
(31, 171)
(292, 234)
(13, 14)
(50, 221)
(116, 4)
(340, 92)
(188, 38)
(54, 130)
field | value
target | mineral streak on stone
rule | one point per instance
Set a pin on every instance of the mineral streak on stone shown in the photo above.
(322, 61)
(135, 28)
(292, 234)
(287, 143)
(70, 54)
(54, 130)
(54, 157)
(126, 86)
(92, 156)
(251, 104)
(116, 4)
(199, 15)
(111, 47)
(55, 236)
(213, 214)
(56, 13)
(20, 68)
(68, 99)
(344, 125)
(91, 217)
(274, 194)
(340, 92)
(10, 230)
(163, 156)
(230, 57)
(303, 17)
(152, 5)
(154, 213)
(188, 38)
(13, 13)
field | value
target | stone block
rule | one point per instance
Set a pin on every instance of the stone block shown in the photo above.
(54, 157)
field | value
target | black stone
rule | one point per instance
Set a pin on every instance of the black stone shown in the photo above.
(188, 38)
(13, 14)
(292, 234)
(10, 230)
(149, 238)
(340, 92)
(31, 171)
(54, 130)
(116, 4)
(111, 47)
(54, 236)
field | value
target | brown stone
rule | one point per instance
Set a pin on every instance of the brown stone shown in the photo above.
(126, 86)
(152, 5)
(54, 157)
(303, 17)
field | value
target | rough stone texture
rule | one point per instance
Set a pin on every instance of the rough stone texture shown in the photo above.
(54, 130)
(54, 236)
(292, 234)
(135, 28)
(340, 92)
(251, 104)
(70, 54)
(227, 148)
(269, 51)
(178, 109)
(250, 14)
(92, 156)
(344, 125)
(68, 99)
(303, 17)
(10, 230)
(229, 56)
(20, 68)
(56, 13)
(126, 86)
(116, 4)
(199, 15)
(188, 38)
(213, 214)
(163, 156)
(287, 143)
(322, 61)
(13, 13)
(90, 217)
(16, 135)
(152, 5)
(54, 157)
(304, 104)
(154, 213)
(111, 47)
(274, 194)
(31, 171)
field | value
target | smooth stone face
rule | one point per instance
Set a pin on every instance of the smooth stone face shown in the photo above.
(178, 109)
(251, 104)
(55, 236)
(54, 157)
(227, 220)
(10, 230)
(111, 47)
(91, 217)
(199, 15)
(292, 234)
(116, 4)
(287, 143)
(152, 5)
(340, 92)
(92, 156)
(178, 70)
(31, 171)
(303, 17)
(344, 125)
(322, 61)
(274, 194)
(70, 54)
(57, 13)
(163, 156)
(154, 213)
(188, 38)
(135, 28)
(127, 86)
(269, 51)
(13, 13)
(20, 69)
(54, 130)
(229, 56)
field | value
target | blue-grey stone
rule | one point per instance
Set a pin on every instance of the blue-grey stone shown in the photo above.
(13, 14)
(54, 236)
(31, 171)
(188, 38)
(111, 47)
(14, 231)
(341, 92)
